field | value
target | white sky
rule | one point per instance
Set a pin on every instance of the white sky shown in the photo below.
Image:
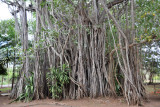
(4, 12)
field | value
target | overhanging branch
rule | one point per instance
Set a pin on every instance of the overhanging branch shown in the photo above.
(16, 4)
(134, 44)
(115, 2)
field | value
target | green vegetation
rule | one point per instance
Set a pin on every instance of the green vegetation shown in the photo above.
(152, 89)
(156, 78)
(8, 78)
(57, 78)
(7, 41)
(5, 89)
(29, 89)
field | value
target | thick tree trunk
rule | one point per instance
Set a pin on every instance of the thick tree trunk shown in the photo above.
(19, 87)
(150, 78)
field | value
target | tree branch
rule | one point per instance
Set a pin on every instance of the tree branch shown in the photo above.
(115, 2)
(16, 4)
(110, 5)
(12, 3)
(135, 44)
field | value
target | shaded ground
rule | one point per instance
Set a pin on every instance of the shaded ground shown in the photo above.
(154, 101)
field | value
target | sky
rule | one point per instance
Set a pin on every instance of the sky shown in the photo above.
(4, 12)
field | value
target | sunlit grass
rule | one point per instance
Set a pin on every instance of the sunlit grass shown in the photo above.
(6, 89)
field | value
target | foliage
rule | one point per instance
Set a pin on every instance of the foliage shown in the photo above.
(7, 40)
(150, 59)
(147, 23)
(6, 89)
(7, 33)
(6, 78)
(57, 78)
(150, 55)
(27, 95)
(117, 85)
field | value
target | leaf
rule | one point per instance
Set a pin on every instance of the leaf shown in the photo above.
(43, 3)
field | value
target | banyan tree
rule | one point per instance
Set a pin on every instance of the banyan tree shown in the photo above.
(94, 38)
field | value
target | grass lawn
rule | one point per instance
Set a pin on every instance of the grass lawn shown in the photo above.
(6, 89)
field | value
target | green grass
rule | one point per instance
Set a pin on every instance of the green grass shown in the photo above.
(157, 78)
(5, 89)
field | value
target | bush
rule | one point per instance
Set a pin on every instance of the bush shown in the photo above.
(57, 78)
(27, 95)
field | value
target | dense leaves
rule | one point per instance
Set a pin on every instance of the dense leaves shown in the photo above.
(56, 80)
(148, 19)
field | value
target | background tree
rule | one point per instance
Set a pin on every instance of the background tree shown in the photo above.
(148, 30)
(7, 45)
(150, 60)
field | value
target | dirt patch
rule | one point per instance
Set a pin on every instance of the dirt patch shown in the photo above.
(86, 102)
(154, 101)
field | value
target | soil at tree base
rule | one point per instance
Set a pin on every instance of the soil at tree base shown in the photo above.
(154, 101)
